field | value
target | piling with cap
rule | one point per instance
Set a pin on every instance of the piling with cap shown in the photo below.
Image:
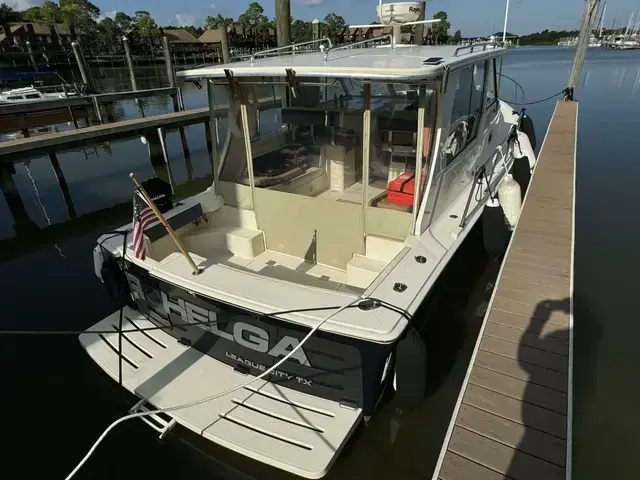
(127, 53)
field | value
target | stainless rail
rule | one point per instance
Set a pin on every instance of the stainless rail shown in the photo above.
(492, 186)
(350, 45)
(517, 87)
(472, 48)
(290, 48)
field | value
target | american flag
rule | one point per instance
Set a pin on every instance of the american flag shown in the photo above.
(143, 217)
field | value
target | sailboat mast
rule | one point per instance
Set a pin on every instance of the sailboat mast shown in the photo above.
(629, 24)
(636, 26)
(604, 13)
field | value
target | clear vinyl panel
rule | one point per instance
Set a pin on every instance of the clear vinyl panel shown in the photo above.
(306, 169)
(231, 150)
(393, 186)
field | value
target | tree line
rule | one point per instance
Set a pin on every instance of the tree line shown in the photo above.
(105, 33)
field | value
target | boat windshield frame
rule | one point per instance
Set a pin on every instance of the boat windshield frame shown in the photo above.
(239, 83)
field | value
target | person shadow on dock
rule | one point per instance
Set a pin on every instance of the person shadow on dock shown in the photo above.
(543, 353)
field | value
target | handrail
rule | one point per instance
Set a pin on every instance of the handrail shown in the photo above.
(291, 47)
(472, 47)
(517, 87)
(362, 42)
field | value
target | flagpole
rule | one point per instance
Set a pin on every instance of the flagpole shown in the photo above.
(165, 224)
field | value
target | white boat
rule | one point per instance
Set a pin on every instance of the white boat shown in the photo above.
(312, 245)
(30, 94)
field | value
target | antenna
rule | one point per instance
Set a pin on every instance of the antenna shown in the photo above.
(397, 15)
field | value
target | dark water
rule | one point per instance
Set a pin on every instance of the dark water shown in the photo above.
(55, 402)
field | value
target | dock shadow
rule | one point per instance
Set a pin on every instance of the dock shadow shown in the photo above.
(543, 353)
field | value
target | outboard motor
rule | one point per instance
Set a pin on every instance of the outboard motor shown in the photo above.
(160, 192)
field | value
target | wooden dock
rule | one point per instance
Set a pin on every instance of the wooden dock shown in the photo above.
(513, 416)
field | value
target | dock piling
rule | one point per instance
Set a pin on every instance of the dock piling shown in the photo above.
(224, 43)
(96, 108)
(283, 22)
(165, 156)
(32, 56)
(63, 185)
(183, 140)
(207, 135)
(73, 117)
(127, 52)
(82, 66)
(168, 62)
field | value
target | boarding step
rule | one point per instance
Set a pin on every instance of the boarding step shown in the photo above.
(241, 242)
(383, 249)
(160, 422)
(362, 271)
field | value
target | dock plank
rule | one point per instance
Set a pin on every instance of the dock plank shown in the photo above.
(520, 322)
(511, 420)
(538, 444)
(519, 389)
(525, 337)
(534, 374)
(506, 407)
(524, 354)
(503, 303)
(502, 458)
(456, 467)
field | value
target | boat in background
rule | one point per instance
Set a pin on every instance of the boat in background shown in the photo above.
(32, 94)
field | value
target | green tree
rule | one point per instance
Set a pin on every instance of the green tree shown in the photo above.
(457, 37)
(49, 13)
(146, 26)
(217, 21)
(440, 30)
(8, 14)
(253, 17)
(195, 31)
(333, 25)
(33, 14)
(108, 35)
(301, 31)
(80, 14)
(255, 21)
(124, 21)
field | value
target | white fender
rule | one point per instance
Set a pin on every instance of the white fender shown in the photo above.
(522, 148)
(510, 197)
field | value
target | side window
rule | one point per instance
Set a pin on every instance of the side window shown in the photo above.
(31, 96)
(467, 109)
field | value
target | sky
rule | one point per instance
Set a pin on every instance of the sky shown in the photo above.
(472, 17)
